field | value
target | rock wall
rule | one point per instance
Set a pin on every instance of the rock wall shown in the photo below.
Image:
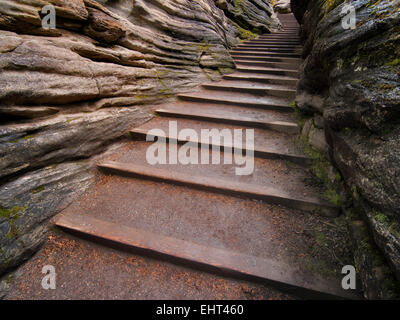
(250, 16)
(350, 86)
(67, 93)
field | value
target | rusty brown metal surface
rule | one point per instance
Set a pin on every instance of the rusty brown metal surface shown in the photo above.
(281, 126)
(289, 278)
(262, 78)
(87, 270)
(239, 99)
(265, 193)
(267, 143)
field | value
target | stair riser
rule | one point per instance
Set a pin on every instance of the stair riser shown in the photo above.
(288, 73)
(292, 83)
(257, 153)
(241, 104)
(263, 92)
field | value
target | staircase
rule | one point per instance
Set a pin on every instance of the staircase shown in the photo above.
(206, 215)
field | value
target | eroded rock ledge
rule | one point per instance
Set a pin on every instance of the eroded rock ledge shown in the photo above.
(351, 86)
(66, 94)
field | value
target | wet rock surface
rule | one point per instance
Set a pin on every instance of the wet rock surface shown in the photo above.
(282, 6)
(351, 77)
(256, 16)
(67, 93)
(33, 199)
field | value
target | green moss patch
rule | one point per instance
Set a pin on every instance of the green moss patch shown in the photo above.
(244, 33)
(319, 167)
(38, 190)
(13, 232)
(8, 213)
(333, 197)
(394, 62)
(28, 137)
(329, 5)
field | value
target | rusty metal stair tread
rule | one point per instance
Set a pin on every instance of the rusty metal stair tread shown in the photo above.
(268, 50)
(227, 111)
(278, 37)
(266, 64)
(273, 45)
(280, 41)
(264, 78)
(274, 42)
(251, 87)
(270, 46)
(282, 126)
(268, 59)
(246, 100)
(259, 151)
(265, 53)
(267, 143)
(232, 263)
(276, 71)
(221, 185)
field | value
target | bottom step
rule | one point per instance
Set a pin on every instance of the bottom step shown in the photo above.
(236, 264)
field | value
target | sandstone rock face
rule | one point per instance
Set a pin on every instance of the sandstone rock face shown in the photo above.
(33, 199)
(257, 16)
(351, 77)
(67, 93)
(282, 6)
